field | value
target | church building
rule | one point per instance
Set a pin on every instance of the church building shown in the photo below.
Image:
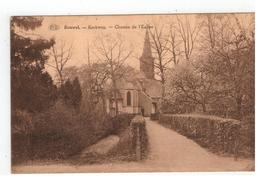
(139, 93)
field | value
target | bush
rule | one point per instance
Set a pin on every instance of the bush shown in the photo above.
(126, 127)
(21, 131)
(58, 133)
(124, 150)
(121, 122)
(155, 116)
(217, 134)
(247, 136)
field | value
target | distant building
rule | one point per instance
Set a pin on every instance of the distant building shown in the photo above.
(141, 92)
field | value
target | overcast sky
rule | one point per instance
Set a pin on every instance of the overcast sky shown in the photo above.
(133, 33)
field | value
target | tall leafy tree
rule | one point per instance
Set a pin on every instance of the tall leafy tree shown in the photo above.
(32, 88)
(77, 94)
(66, 92)
(230, 58)
(71, 94)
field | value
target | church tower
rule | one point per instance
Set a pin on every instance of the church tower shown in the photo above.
(146, 60)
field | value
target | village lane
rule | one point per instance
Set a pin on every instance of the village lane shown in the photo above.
(168, 151)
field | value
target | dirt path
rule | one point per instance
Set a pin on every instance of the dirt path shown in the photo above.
(169, 151)
(175, 152)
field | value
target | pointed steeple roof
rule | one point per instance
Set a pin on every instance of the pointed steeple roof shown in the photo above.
(147, 52)
(146, 60)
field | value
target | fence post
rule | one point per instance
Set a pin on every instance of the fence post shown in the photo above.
(138, 143)
(137, 132)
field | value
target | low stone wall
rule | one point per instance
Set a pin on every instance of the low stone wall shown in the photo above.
(218, 134)
(139, 137)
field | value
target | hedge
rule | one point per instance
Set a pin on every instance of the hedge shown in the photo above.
(121, 122)
(215, 133)
(154, 116)
(56, 134)
(139, 135)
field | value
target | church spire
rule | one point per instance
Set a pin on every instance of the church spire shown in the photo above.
(146, 60)
(147, 52)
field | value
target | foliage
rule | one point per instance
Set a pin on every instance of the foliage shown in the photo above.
(126, 129)
(71, 93)
(32, 88)
(121, 122)
(221, 79)
(139, 134)
(229, 57)
(125, 149)
(57, 133)
(217, 134)
(192, 86)
(112, 53)
(77, 94)
(61, 133)
(22, 127)
(155, 116)
(95, 83)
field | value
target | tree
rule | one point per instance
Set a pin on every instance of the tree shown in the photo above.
(61, 55)
(112, 53)
(32, 88)
(97, 77)
(159, 44)
(71, 94)
(66, 92)
(193, 87)
(93, 78)
(174, 45)
(230, 56)
(77, 94)
(188, 35)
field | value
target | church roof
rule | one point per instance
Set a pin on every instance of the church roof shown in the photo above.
(137, 81)
(126, 84)
(143, 80)
(152, 87)
(147, 51)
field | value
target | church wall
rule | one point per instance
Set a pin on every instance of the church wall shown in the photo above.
(120, 105)
(133, 109)
(128, 110)
(123, 93)
(135, 98)
(145, 103)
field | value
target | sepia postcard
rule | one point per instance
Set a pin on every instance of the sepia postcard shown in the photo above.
(133, 93)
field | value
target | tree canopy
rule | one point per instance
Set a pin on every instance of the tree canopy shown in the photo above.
(32, 88)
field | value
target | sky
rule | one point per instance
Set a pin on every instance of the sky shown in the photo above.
(81, 38)
(84, 33)
(131, 28)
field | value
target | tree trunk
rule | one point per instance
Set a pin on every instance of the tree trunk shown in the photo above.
(163, 87)
(103, 103)
(116, 102)
(61, 78)
(204, 109)
(115, 95)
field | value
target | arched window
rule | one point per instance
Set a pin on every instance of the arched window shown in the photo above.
(128, 98)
